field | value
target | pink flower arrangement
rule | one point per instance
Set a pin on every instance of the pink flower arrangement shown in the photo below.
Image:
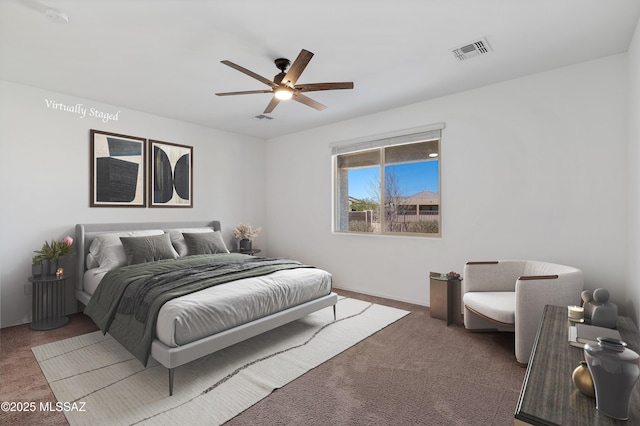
(55, 249)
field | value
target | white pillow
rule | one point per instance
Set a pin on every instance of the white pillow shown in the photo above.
(91, 262)
(108, 251)
(177, 239)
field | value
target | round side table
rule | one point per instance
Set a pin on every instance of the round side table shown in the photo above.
(48, 302)
(250, 252)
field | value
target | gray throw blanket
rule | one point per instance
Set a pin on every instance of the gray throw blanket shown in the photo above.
(127, 301)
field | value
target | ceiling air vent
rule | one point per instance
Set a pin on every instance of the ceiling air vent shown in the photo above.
(471, 50)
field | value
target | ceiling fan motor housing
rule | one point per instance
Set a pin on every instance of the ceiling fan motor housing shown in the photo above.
(278, 77)
(281, 64)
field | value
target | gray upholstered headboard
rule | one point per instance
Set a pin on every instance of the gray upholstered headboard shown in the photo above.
(85, 233)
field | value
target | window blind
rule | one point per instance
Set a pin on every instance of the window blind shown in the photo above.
(432, 132)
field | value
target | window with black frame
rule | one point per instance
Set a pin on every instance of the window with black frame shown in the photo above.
(389, 185)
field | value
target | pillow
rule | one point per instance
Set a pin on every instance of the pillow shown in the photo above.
(108, 251)
(205, 243)
(148, 248)
(178, 240)
(91, 262)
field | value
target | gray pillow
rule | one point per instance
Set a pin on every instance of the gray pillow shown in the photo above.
(148, 248)
(205, 243)
(178, 240)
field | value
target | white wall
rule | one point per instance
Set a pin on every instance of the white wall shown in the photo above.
(633, 281)
(44, 170)
(533, 168)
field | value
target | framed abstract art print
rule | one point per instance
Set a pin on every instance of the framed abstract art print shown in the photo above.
(117, 170)
(170, 175)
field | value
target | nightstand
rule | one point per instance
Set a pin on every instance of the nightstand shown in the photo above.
(48, 302)
(250, 252)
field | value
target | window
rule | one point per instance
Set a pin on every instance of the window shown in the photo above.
(389, 185)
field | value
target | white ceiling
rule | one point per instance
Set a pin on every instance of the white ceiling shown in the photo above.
(163, 56)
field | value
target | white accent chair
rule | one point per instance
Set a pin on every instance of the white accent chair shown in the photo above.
(510, 295)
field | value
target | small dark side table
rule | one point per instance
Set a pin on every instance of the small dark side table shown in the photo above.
(548, 395)
(48, 302)
(445, 298)
(250, 252)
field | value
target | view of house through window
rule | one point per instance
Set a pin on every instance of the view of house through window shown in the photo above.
(389, 189)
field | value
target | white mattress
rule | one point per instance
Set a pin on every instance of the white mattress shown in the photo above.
(206, 312)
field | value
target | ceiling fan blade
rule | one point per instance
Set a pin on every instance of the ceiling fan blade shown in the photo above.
(272, 105)
(307, 101)
(314, 87)
(297, 67)
(250, 73)
(246, 92)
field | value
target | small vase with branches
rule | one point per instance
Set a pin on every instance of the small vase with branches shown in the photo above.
(245, 233)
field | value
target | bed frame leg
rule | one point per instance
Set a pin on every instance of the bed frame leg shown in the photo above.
(171, 382)
(334, 312)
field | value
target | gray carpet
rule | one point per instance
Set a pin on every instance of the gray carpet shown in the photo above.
(416, 371)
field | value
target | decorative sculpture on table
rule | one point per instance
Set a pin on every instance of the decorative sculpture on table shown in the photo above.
(582, 379)
(614, 369)
(598, 310)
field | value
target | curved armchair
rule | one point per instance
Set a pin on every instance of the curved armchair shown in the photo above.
(510, 295)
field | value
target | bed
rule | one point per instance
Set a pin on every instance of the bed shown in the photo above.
(258, 295)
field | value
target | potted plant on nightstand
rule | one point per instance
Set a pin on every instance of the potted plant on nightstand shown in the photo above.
(245, 233)
(51, 253)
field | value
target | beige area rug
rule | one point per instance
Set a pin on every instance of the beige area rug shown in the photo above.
(96, 381)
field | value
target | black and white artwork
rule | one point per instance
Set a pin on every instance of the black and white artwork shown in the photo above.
(171, 175)
(117, 170)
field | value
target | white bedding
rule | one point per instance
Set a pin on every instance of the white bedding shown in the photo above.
(206, 312)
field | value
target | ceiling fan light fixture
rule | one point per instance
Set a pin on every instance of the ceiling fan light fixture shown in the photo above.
(283, 93)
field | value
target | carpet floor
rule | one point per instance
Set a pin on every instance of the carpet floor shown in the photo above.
(417, 371)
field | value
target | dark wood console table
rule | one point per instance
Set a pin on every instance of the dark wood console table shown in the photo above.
(548, 395)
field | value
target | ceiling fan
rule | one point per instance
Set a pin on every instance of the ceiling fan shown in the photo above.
(284, 84)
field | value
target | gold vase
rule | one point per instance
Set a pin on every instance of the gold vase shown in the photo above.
(582, 379)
